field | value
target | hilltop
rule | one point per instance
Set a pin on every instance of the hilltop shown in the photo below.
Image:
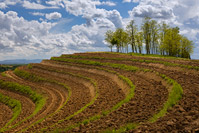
(101, 92)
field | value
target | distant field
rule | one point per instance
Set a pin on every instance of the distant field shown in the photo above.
(101, 92)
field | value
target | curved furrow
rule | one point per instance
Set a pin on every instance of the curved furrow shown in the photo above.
(55, 100)
(172, 97)
(75, 102)
(66, 73)
(138, 111)
(184, 116)
(114, 77)
(5, 114)
(89, 83)
(183, 113)
(104, 93)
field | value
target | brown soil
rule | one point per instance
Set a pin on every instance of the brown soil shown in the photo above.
(151, 92)
(5, 114)
(184, 116)
(147, 101)
(107, 97)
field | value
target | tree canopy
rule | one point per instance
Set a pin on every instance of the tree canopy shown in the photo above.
(155, 38)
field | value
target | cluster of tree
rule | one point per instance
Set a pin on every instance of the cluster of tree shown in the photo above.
(158, 39)
(8, 67)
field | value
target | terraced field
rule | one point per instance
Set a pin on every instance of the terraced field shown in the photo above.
(101, 92)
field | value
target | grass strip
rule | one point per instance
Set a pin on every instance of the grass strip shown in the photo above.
(14, 104)
(35, 78)
(135, 60)
(174, 96)
(25, 90)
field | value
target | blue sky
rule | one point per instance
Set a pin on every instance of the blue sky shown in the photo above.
(37, 29)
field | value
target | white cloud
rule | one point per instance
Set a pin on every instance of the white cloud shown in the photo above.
(37, 14)
(87, 9)
(33, 39)
(108, 3)
(17, 36)
(33, 5)
(135, 1)
(153, 9)
(54, 15)
(3, 5)
(126, 1)
(56, 3)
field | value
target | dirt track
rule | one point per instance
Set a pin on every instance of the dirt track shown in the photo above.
(151, 92)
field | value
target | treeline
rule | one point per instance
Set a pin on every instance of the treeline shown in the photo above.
(155, 38)
(8, 67)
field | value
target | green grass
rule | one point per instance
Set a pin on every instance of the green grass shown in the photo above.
(27, 91)
(14, 104)
(174, 96)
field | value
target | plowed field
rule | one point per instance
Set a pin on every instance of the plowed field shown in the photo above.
(101, 92)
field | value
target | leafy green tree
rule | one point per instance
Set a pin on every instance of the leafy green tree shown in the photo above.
(172, 41)
(186, 47)
(125, 40)
(146, 29)
(109, 38)
(154, 37)
(163, 28)
(158, 39)
(139, 41)
(132, 30)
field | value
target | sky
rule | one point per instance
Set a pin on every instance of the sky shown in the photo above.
(40, 29)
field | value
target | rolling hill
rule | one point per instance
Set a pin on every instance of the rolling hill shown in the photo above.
(101, 92)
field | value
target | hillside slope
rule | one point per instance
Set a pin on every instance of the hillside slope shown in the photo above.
(101, 92)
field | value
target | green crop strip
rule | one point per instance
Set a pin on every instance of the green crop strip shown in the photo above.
(26, 90)
(35, 78)
(115, 107)
(134, 60)
(174, 95)
(14, 104)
